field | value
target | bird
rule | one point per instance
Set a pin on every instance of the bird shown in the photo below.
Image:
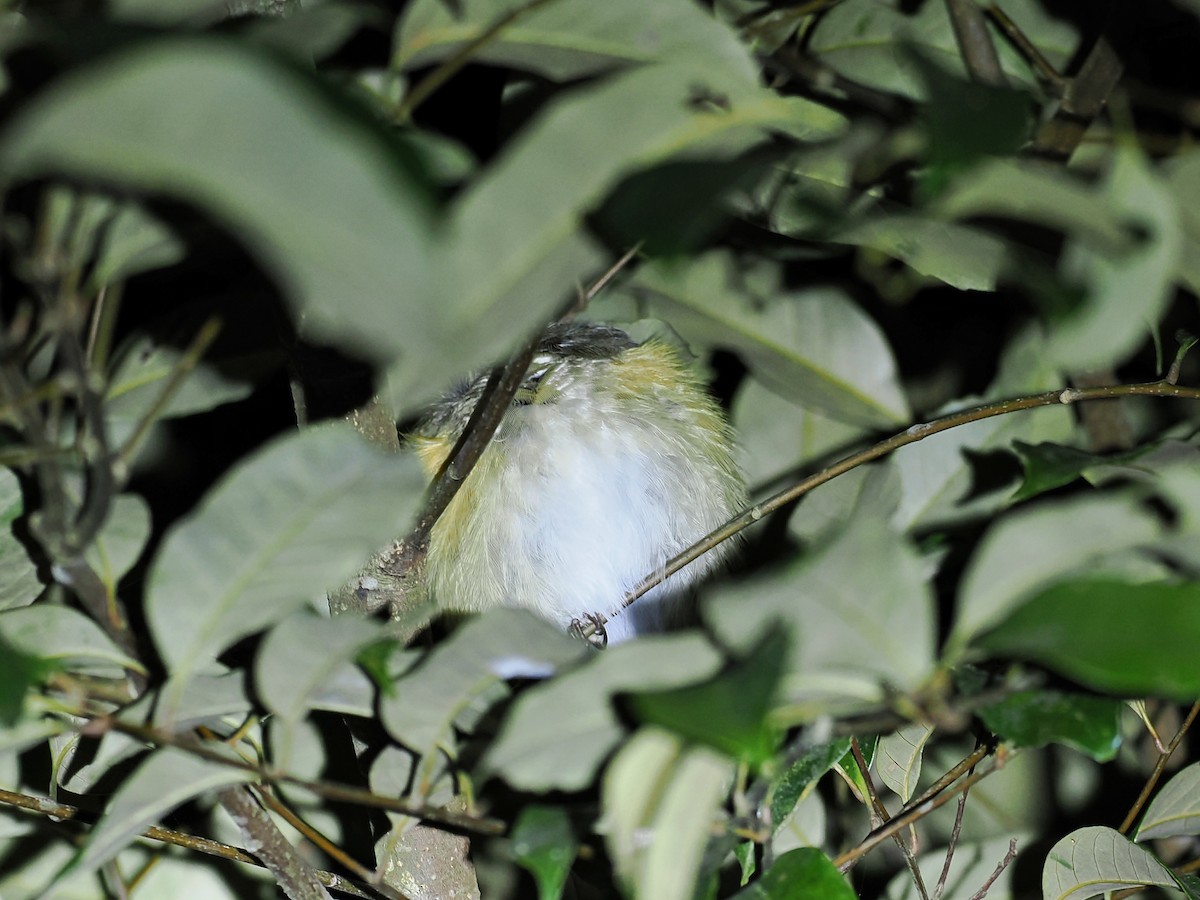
(611, 459)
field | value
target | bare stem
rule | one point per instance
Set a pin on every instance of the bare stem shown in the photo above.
(61, 811)
(910, 435)
(916, 811)
(1159, 767)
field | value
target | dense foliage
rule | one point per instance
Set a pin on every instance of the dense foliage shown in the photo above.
(240, 241)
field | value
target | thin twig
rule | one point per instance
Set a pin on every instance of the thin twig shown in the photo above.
(191, 358)
(1033, 56)
(329, 790)
(1159, 767)
(1004, 864)
(63, 812)
(916, 811)
(910, 435)
(332, 850)
(880, 816)
(955, 834)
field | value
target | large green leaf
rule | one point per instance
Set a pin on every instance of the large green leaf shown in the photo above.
(302, 661)
(854, 627)
(558, 733)
(1126, 293)
(514, 246)
(729, 713)
(801, 874)
(660, 801)
(19, 582)
(1175, 809)
(460, 676)
(1094, 860)
(1036, 718)
(167, 778)
(1034, 547)
(1135, 639)
(564, 39)
(317, 192)
(288, 523)
(66, 637)
(866, 41)
(817, 347)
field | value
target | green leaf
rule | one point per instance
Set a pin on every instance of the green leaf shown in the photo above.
(961, 256)
(659, 804)
(462, 673)
(148, 359)
(341, 225)
(1094, 860)
(863, 42)
(19, 582)
(854, 627)
(19, 672)
(816, 348)
(776, 436)
(567, 39)
(121, 541)
(802, 874)
(1070, 628)
(1029, 191)
(109, 239)
(802, 774)
(66, 638)
(1048, 466)
(1175, 809)
(898, 758)
(558, 733)
(516, 242)
(1036, 718)
(305, 657)
(1127, 292)
(936, 474)
(1037, 546)
(966, 121)
(289, 522)
(167, 778)
(544, 842)
(728, 713)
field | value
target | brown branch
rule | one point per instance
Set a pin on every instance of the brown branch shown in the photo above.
(1159, 767)
(1082, 102)
(328, 789)
(1032, 55)
(951, 845)
(1004, 864)
(328, 847)
(911, 435)
(295, 877)
(975, 42)
(916, 811)
(880, 816)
